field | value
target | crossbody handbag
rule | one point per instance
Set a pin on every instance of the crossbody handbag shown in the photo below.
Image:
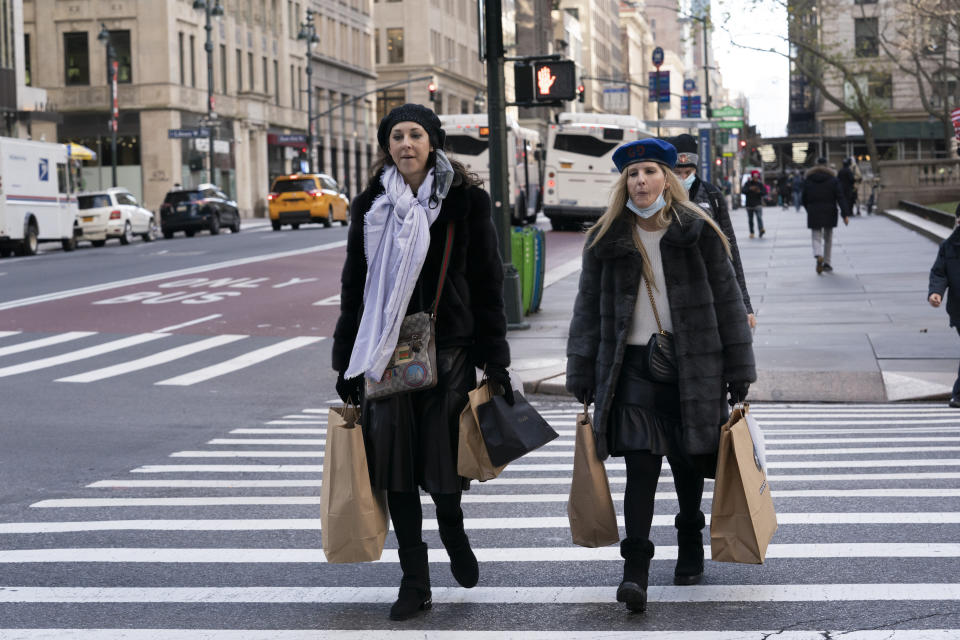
(661, 357)
(413, 365)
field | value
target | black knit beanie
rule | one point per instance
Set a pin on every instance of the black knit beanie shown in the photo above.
(411, 113)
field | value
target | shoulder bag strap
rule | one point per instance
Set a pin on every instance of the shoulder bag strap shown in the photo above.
(443, 269)
(653, 304)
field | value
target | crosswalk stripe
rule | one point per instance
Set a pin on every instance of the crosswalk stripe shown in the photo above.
(150, 361)
(497, 554)
(43, 342)
(202, 484)
(303, 432)
(292, 422)
(247, 454)
(229, 468)
(240, 362)
(280, 441)
(7, 334)
(430, 524)
(89, 352)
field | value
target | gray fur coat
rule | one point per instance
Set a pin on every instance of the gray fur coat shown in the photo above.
(712, 338)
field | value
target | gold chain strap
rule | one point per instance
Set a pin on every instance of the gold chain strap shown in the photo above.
(653, 304)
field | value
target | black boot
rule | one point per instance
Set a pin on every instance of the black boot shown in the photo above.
(463, 563)
(414, 593)
(636, 554)
(689, 569)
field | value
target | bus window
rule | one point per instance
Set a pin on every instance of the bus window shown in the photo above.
(465, 145)
(613, 134)
(583, 145)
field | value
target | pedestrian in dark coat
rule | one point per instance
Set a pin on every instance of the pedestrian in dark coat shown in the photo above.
(402, 218)
(848, 183)
(755, 192)
(784, 186)
(945, 281)
(823, 198)
(654, 260)
(797, 186)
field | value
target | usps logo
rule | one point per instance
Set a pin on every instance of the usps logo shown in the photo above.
(44, 170)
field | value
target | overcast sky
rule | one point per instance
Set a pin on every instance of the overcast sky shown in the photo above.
(761, 76)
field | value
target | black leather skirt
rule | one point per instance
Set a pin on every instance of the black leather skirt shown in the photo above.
(645, 415)
(411, 438)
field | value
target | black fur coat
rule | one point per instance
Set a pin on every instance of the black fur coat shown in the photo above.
(471, 312)
(712, 338)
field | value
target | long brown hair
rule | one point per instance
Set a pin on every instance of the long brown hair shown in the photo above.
(678, 204)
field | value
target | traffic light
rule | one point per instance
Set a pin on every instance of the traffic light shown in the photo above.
(541, 82)
(432, 88)
(719, 161)
(581, 93)
(743, 144)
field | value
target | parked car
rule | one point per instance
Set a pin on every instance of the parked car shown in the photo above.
(306, 197)
(202, 207)
(114, 213)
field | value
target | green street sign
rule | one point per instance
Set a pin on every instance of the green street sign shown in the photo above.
(728, 112)
(730, 124)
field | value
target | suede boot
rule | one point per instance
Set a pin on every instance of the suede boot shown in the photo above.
(689, 569)
(632, 591)
(463, 563)
(414, 593)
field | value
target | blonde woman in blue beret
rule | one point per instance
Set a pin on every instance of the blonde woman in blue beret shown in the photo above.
(658, 340)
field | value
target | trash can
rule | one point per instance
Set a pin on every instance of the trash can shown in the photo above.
(528, 251)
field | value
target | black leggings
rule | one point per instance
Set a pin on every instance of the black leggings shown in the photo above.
(643, 473)
(407, 514)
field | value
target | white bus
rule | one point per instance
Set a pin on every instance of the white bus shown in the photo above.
(37, 203)
(579, 165)
(468, 142)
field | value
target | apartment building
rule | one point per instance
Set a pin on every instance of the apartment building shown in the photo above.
(20, 104)
(259, 85)
(637, 46)
(601, 56)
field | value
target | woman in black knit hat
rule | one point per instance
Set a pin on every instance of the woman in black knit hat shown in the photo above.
(398, 231)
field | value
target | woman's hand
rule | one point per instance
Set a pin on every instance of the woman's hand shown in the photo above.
(500, 375)
(738, 392)
(584, 395)
(349, 390)
(935, 299)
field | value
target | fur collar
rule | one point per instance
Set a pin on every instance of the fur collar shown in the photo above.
(821, 172)
(618, 241)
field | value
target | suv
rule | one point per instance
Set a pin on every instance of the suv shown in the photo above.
(114, 213)
(306, 197)
(204, 207)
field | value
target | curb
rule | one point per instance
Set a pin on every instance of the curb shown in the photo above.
(936, 232)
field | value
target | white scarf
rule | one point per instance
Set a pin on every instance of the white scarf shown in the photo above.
(396, 237)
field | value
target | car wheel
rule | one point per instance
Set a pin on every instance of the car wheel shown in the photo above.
(151, 233)
(98, 243)
(5, 252)
(127, 234)
(69, 244)
(215, 224)
(295, 225)
(344, 223)
(329, 220)
(235, 227)
(31, 241)
(557, 225)
(167, 234)
(276, 225)
(189, 233)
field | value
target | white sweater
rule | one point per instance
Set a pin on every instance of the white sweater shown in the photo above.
(644, 323)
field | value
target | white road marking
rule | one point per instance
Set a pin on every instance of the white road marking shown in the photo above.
(240, 362)
(247, 454)
(297, 422)
(82, 354)
(43, 342)
(562, 271)
(7, 334)
(304, 432)
(69, 293)
(191, 322)
(153, 360)
(202, 484)
(229, 468)
(278, 441)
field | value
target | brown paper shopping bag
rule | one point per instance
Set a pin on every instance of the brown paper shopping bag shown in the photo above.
(593, 521)
(353, 517)
(743, 519)
(473, 461)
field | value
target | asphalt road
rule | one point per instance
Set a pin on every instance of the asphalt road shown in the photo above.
(160, 452)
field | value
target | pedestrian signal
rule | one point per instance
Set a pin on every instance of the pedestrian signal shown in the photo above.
(545, 82)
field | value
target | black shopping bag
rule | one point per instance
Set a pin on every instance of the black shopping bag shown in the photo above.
(511, 432)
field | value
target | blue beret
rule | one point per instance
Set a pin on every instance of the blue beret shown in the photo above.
(646, 150)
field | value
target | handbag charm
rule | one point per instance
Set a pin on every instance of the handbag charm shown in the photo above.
(661, 357)
(413, 365)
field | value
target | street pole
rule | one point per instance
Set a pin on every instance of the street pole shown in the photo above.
(499, 181)
(211, 9)
(104, 37)
(308, 33)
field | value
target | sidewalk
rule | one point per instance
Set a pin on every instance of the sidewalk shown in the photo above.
(863, 333)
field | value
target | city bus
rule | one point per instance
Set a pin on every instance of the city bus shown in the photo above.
(579, 165)
(468, 142)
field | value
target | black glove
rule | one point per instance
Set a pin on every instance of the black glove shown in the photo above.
(349, 390)
(584, 395)
(498, 375)
(738, 392)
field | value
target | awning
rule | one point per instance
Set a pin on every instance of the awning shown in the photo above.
(79, 152)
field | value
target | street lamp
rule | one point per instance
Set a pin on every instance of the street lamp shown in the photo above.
(104, 38)
(308, 33)
(214, 11)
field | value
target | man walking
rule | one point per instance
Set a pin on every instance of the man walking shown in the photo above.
(848, 183)
(797, 190)
(754, 190)
(822, 198)
(945, 281)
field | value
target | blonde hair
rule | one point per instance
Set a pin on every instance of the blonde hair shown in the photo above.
(677, 203)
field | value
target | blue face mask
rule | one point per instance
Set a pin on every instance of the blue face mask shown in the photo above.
(647, 212)
(688, 181)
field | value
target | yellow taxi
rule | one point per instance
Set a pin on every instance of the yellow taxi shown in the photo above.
(300, 198)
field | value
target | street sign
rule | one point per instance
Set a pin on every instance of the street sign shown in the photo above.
(730, 124)
(689, 85)
(658, 56)
(616, 99)
(287, 138)
(188, 133)
(728, 112)
(659, 87)
(690, 106)
(705, 152)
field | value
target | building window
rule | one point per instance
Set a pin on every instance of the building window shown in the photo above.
(121, 46)
(193, 61)
(866, 37)
(299, 87)
(376, 46)
(387, 100)
(265, 79)
(76, 58)
(464, 106)
(394, 45)
(26, 60)
(223, 67)
(880, 86)
(250, 70)
(293, 87)
(276, 83)
(183, 78)
(239, 71)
